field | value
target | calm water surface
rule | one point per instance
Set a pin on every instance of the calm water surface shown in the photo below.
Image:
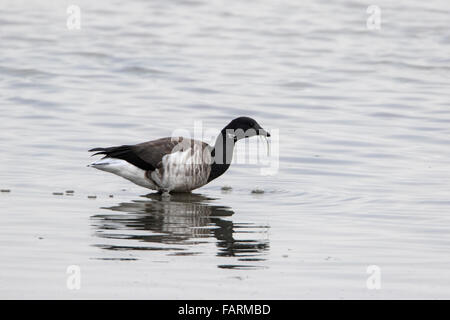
(363, 119)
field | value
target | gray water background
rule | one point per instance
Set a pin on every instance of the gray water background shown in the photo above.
(363, 118)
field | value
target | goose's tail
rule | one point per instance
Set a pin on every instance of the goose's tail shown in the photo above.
(109, 158)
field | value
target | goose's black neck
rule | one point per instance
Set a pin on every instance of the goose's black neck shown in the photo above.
(222, 154)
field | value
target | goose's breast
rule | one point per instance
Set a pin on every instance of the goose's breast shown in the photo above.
(184, 170)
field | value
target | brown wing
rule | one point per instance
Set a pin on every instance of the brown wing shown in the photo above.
(148, 155)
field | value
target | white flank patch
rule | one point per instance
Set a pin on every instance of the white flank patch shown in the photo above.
(183, 170)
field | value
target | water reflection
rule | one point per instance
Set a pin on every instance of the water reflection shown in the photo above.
(178, 225)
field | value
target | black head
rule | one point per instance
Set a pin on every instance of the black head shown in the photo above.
(245, 127)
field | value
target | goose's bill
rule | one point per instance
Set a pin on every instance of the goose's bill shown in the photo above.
(264, 133)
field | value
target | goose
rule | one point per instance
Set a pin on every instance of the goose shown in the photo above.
(177, 164)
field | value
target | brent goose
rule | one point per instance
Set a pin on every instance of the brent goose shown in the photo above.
(177, 164)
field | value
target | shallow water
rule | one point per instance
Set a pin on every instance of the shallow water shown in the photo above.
(363, 119)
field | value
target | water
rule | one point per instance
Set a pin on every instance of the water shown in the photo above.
(363, 118)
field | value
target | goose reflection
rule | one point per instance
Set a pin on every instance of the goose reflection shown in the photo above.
(177, 225)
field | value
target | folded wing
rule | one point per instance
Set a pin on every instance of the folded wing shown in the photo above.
(147, 155)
